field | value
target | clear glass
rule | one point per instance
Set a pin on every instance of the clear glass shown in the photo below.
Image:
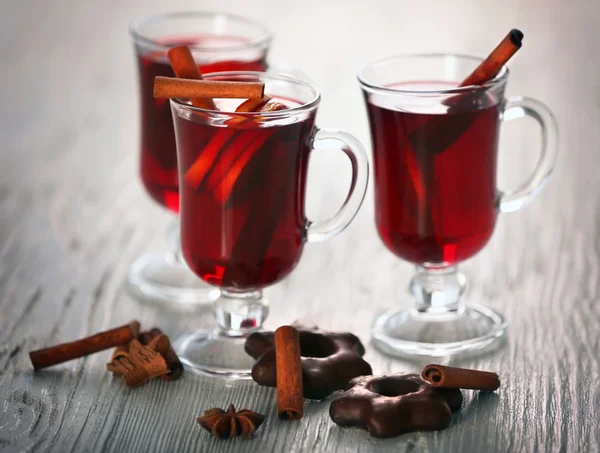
(436, 201)
(243, 223)
(218, 42)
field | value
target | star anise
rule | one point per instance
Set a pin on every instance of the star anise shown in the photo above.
(225, 424)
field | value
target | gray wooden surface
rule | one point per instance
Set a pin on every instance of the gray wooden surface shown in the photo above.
(73, 216)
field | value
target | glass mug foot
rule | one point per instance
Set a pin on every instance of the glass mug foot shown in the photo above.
(215, 353)
(162, 278)
(411, 333)
(220, 352)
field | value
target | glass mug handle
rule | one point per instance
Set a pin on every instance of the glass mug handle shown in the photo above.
(520, 107)
(325, 229)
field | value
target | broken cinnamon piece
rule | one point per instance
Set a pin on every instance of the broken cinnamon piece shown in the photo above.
(460, 378)
(99, 342)
(184, 67)
(173, 362)
(140, 363)
(172, 87)
(120, 363)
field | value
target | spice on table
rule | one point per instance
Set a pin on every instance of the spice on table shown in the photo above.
(173, 362)
(460, 378)
(99, 342)
(290, 396)
(138, 363)
(225, 424)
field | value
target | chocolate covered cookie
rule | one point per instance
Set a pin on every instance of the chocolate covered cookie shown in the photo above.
(329, 360)
(391, 405)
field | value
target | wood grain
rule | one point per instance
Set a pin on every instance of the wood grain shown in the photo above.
(73, 216)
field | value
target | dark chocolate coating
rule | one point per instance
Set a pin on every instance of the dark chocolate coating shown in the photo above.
(391, 405)
(329, 360)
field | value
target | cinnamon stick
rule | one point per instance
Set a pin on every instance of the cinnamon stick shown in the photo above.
(184, 67)
(171, 87)
(268, 200)
(173, 362)
(490, 67)
(232, 162)
(228, 137)
(438, 134)
(460, 378)
(54, 355)
(290, 397)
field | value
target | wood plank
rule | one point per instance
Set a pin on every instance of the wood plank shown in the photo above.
(73, 216)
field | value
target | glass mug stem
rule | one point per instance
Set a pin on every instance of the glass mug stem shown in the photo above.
(238, 314)
(437, 291)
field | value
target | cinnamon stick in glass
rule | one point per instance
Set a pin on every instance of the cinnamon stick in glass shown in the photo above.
(172, 87)
(252, 105)
(184, 67)
(440, 133)
(54, 355)
(444, 132)
(490, 67)
(229, 137)
(460, 378)
(290, 395)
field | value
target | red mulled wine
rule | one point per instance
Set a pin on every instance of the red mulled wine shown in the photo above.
(159, 155)
(435, 178)
(242, 198)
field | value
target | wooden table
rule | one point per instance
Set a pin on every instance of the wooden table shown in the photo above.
(73, 216)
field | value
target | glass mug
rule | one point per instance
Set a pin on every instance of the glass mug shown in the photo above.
(436, 201)
(243, 224)
(218, 42)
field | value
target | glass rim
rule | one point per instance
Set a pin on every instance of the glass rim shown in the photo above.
(139, 37)
(500, 77)
(309, 105)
